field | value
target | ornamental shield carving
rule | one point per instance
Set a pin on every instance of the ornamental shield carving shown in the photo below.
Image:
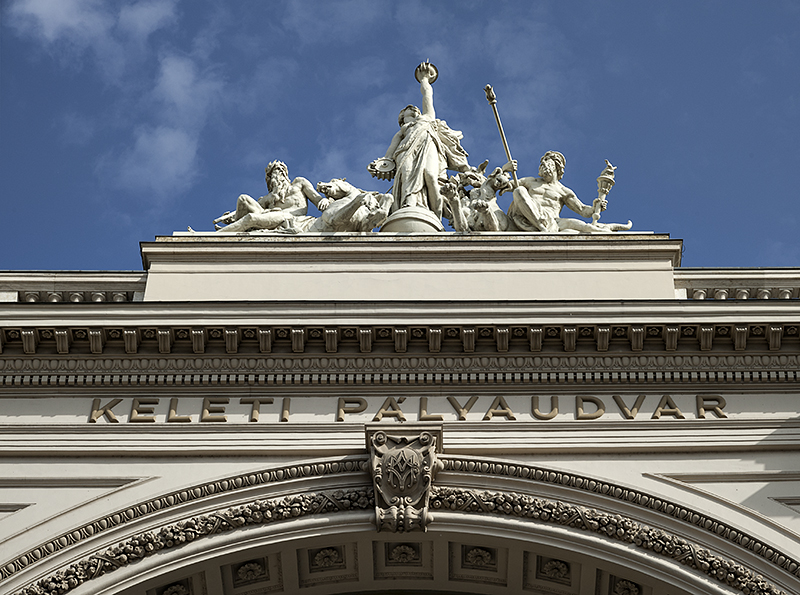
(403, 465)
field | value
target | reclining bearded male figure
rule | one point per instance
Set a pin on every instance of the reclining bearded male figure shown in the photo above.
(538, 201)
(286, 202)
(344, 207)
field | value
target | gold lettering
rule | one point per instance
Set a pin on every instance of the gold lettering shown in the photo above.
(423, 411)
(500, 408)
(208, 409)
(287, 401)
(666, 406)
(98, 411)
(580, 414)
(390, 408)
(462, 411)
(352, 405)
(538, 414)
(256, 405)
(173, 413)
(629, 413)
(716, 402)
(140, 409)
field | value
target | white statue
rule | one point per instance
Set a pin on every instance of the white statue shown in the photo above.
(538, 201)
(417, 159)
(351, 209)
(286, 201)
(477, 209)
(421, 152)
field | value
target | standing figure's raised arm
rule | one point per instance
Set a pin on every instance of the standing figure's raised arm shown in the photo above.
(426, 72)
(427, 99)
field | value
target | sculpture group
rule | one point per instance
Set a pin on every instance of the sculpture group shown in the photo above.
(417, 160)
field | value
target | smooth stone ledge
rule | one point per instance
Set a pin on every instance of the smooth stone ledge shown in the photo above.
(410, 266)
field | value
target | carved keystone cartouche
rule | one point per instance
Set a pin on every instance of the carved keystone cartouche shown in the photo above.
(403, 464)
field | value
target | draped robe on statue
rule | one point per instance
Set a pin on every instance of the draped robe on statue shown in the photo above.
(428, 146)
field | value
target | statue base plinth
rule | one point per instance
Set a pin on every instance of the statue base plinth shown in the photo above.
(413, 267)
(411, 219)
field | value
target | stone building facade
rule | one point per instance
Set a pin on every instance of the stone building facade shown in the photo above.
(386, 413)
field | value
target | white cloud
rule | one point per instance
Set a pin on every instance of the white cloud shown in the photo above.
(335, 163)
(70, 28)
(162, 153)
(342, 21)
(185, 93)
(526, 61)
(78, 21)
(142, 19)
(265, 86)
(207, 40)
(162, 160)
(373, 122)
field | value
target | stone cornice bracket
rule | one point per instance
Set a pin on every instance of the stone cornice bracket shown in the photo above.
(403, 464)
(181, 340)
(132, 339)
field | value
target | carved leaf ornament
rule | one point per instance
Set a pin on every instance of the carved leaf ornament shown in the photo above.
(250, 572)
(479, 557)
(555, 569)
(326, 558)
(626, 588)
(403, 554)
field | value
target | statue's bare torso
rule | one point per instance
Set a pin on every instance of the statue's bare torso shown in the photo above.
(291, 198)
(538, 204)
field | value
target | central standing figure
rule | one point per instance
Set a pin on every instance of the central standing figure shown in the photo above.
(422, 150)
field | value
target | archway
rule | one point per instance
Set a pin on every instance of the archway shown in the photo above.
(498, 527)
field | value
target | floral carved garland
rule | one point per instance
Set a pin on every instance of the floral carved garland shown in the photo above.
(138, 547)
(173, 535)
(260, 512)
(635, 497)
(346, 465)
(607, 525)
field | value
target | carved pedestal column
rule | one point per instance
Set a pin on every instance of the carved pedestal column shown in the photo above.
(403, 464)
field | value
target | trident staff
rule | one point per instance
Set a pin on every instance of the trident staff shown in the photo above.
(492, 99)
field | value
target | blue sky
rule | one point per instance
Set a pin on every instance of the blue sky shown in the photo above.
(124, 120)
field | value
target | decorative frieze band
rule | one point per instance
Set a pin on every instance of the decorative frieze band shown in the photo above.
(430, 339)
(406, 370)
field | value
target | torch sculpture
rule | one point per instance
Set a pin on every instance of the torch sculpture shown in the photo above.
(604, 184)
